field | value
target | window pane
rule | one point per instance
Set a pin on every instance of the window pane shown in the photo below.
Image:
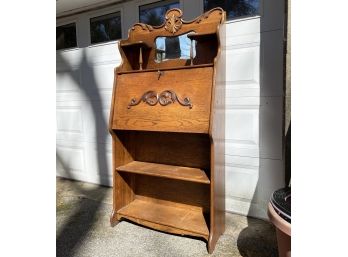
(234, 8)
(66, 36)
(106, 28)
(153, 14)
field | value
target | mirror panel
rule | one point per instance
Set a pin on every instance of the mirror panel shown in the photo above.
(178, 47)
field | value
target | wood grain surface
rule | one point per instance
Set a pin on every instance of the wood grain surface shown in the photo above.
(172, 219)
(192, 83)
(168, 159)
(165, 171)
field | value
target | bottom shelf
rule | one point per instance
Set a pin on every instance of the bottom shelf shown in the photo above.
(171, 219)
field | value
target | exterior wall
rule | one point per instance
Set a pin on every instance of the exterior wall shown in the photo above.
(254, 98)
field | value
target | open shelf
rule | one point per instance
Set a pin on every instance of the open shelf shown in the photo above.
(172, 219)
(165, 171)
(135, 44)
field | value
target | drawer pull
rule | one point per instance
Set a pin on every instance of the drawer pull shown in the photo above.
(165, 98)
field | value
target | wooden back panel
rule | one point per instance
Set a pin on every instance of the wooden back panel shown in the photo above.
(192, 195)
(181, 149)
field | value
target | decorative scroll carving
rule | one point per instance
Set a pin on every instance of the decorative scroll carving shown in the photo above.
(143, 26)
(169, 96)
(150, 97)
(173, 20)
(164, 98)
(206, 14)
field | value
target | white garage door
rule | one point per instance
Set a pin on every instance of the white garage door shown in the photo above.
(254, 93)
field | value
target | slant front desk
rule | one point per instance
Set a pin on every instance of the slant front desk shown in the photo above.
(167, 123)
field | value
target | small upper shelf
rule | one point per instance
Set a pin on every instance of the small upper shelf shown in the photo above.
(166, 171)
(134, 44)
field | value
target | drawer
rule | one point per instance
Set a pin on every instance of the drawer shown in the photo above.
(176, 100)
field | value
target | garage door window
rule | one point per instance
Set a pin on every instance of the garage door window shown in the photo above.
(66, 36)
(106, 28)
(234, 8)
(153, 14)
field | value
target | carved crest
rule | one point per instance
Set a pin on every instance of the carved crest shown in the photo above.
(173, 20)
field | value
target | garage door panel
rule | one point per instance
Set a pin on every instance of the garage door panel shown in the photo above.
(99, 77)
(100, 162)
(70, 159)
(244, 181)
(69, 86)
(69, 59)
(242, 65)
(242, 140)
(103, 53)
(243, 28)
(68, 80)
(69, 120)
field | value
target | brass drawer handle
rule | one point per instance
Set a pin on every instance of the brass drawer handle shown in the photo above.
(164, 98)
